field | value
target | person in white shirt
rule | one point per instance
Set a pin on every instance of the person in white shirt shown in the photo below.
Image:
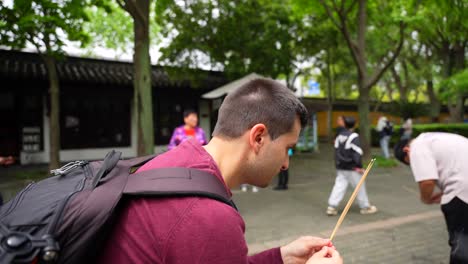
(441, 159)
(407, 129)
(385, 130)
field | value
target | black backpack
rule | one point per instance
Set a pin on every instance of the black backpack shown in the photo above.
(65, 218)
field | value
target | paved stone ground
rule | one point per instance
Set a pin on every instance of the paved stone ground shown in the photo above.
(403, 231)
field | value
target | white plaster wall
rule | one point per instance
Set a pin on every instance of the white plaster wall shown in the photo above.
(205, 117)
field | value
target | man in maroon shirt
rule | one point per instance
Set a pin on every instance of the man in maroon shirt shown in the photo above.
(257, 124)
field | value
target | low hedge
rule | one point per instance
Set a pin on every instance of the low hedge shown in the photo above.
(458, 128)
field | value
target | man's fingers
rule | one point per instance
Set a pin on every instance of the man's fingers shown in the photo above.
(316, 242)
(322, 253)
(334, 254)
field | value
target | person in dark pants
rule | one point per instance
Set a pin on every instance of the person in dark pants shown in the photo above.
(348, 163)
(340, 125)
(284, 176)
(441, 159)
(1, 199)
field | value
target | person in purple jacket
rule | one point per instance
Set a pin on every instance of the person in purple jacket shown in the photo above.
(188, 130)
(257, 124)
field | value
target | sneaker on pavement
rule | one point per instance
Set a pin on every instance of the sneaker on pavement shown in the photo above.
(254, 189)
(244, 188)
(331, 211)
(369, 210)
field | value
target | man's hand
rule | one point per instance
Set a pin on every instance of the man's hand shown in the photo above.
(426, 189)
(360, 170)
(302, 249)
(435, 198)
(327, 255)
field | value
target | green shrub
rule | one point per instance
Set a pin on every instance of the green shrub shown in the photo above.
(459, 128)
(382, 162)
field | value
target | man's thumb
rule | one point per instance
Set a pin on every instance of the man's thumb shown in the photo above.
(322, 253)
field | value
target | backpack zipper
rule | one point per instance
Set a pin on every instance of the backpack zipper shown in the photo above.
(68, 167)
(51, 230)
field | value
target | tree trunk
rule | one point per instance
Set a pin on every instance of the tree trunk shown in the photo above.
(54, 93)
(364, 89)
(330, 84)
(435, 104)
(143, 99)
(401, 87)
(455, 61)
(364, 122)
(455, 107)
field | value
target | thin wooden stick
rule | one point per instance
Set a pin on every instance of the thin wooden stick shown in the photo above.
(351, 199)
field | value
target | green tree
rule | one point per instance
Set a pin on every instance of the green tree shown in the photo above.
(142, 95)
(239, 37)
(111, 29)
(336, 77)
(442, 27)
(46, 25)
(364, 28)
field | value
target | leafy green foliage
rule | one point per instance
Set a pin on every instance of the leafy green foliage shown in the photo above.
(239, 36)
(455, 85)
(454, 128)
(382, 162)
(45, 24)
(409, 109)
(442, 28)
(112, 27)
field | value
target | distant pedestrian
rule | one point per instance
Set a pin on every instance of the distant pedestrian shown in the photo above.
(441, 159)
(348, 161)
(385, 130)
(340, 126)
(1, 199)
(406, 129)
(188, 130)
(284, 176)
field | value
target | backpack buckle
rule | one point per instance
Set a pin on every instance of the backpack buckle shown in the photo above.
(23, 246)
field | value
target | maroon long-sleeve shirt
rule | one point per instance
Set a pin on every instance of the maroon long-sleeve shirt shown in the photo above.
(181, 230)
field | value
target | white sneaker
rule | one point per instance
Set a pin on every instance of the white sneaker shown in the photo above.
(369, 210)
(254, 189)
(331, 211)
(244, 188)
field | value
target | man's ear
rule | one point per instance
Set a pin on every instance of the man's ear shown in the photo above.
(257, 136)
(406, 149)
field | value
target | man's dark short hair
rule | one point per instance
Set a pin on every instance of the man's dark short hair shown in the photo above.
(188, 112)
(399, 153)
(349, 121)
(260, 101)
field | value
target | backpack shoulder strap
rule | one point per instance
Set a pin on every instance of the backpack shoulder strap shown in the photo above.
(167, 182)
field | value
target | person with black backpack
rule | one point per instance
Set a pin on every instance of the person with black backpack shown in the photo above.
(348, 163)
(172, 208)
(257, 124)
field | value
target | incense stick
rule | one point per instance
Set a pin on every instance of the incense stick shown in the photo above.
(351, 199)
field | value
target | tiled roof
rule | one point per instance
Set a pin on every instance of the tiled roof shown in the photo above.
(21, 65)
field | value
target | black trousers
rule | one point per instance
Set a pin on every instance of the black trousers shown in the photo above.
(283, 178)
(456, 217)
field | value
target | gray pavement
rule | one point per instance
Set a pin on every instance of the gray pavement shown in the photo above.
(403, 231)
